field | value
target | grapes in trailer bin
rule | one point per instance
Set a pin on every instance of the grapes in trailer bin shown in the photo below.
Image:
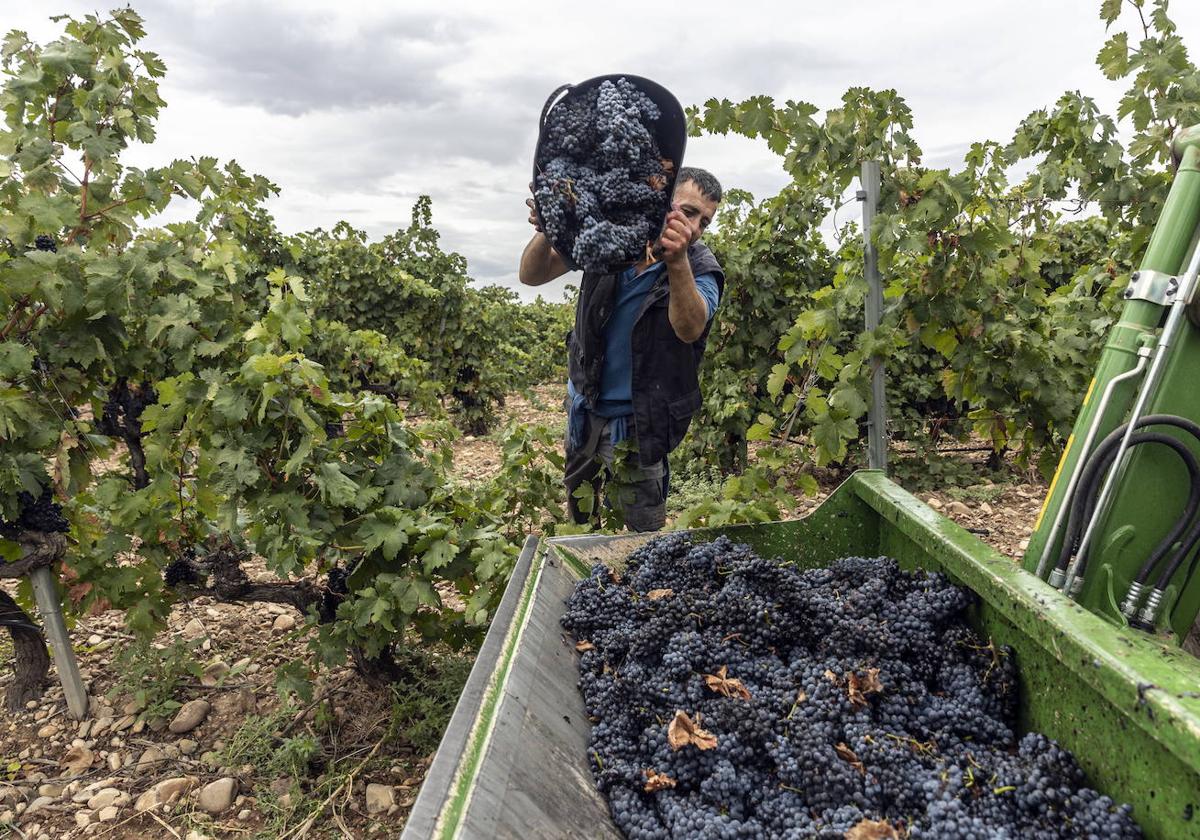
(733, 697)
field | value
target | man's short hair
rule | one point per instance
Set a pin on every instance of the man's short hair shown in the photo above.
(709, 186)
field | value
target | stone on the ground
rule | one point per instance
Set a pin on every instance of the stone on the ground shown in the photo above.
(190, 716)
(83, 818)
(216, 797)
(50, 789)
(39, 803)
(380, 798)
(166, 792)
(958, 509)
(107, 814)
(48, 731)
(150, 760)
(283, 623)
(213, 673)
(104, 797)
(194, 628)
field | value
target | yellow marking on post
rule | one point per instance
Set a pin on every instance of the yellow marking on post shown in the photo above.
(1088, 395)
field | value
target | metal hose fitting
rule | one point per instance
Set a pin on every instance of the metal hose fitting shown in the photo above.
(1149, 613)
(1132, 597)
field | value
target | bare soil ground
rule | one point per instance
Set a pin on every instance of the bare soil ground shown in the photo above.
(248, 768)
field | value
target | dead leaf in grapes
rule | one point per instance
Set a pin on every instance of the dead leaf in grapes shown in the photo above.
(871, 683)
(872, 830)
(858, 688)
(659, 594)
(614, 575)
(847, 755)
(832, 677)
(582, 646)
(726, 686)
(682, 731)
(802, 696)
(657, 781)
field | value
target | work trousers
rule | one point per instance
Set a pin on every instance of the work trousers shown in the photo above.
(637, 493)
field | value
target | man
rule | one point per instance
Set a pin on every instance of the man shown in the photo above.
(634, 354)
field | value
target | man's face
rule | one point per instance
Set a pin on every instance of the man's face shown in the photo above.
(696, 207)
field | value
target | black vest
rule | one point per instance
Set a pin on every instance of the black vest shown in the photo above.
(666, 390)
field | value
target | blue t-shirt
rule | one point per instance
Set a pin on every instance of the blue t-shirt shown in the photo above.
(616, 379)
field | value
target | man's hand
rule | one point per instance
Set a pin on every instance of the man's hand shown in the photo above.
(540, 263)
(534, 218)
(676, 237)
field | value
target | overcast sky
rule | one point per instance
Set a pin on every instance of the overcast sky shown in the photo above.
(356, 108)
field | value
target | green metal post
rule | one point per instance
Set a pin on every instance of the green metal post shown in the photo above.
(1140, 319)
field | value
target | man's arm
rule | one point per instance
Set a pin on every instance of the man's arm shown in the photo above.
(540, 263)
(686, 309)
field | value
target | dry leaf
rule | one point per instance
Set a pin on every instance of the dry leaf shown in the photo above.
(614, 575)
(871, 683)
(832, 677)
(681, 731)
(847, 755)
(656, 594)
(657, 781)
(60, 468)
(77, 760)
(725, 686)
(872, 830)
(802, 696)
(582, 646)
(857, 688)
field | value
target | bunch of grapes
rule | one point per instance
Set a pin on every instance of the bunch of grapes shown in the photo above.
(602, 183)
(735, 697)
(122, 411)
(40, 513)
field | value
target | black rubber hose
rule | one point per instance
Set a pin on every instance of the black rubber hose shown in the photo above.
(1084, 493)
(1193, 533)
(1098, 464)
(19, 622)
(1189, 545)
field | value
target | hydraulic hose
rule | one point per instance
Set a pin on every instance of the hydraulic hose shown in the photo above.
(1101, 460)
(1177, 559)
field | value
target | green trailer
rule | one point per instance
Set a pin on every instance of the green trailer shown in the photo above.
(1094, 614)
(513, 761)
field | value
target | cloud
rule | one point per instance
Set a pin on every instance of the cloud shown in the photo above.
(296, 61)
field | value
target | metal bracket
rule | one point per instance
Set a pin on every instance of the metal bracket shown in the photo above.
(1153, 286)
